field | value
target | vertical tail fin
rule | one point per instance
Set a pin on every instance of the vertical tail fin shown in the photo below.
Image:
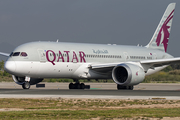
(161, 36)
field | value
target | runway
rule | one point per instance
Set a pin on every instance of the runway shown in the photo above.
(98, 90)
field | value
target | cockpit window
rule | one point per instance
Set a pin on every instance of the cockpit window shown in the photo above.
(16, 54)
(23, 54)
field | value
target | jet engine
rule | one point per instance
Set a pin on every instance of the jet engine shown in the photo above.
(21, 80)
(128, 74)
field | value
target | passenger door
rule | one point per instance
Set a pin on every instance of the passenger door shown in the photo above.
(126, 56)
(42, 55)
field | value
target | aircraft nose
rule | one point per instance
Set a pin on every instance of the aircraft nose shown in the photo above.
(10, 67)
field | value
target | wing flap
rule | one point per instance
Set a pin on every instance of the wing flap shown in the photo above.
(103, 68)
(107, 65)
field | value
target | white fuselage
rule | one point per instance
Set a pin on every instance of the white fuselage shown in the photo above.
(71, 60)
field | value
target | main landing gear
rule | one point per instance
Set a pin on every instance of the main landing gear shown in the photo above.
(78, 85)
(120, 87)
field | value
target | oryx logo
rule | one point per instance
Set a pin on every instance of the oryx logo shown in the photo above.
(137, 73)
(165, 31)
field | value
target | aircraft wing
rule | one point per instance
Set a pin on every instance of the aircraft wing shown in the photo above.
(159, 62)
(4, 54)
(147, 64)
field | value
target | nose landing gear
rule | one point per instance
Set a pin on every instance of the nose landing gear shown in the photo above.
(26, 85)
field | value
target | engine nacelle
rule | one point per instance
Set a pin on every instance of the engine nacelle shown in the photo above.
(21, 80)
(128, 74)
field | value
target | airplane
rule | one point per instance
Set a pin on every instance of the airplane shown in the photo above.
(31, 62)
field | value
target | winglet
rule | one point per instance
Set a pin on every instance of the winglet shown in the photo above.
(160, 38)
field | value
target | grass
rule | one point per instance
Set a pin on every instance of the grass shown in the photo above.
(81, 80)
(6, 79)
(80, 104)
(89, 114)
(162, 77)
(73, 103)
(36, 109)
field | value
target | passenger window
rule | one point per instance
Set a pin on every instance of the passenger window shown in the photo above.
(16, 54)
(23, 54)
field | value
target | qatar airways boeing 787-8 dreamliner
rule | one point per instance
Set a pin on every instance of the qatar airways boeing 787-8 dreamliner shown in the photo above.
(30, 63)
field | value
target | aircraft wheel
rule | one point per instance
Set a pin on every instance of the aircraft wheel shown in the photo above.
(26, 85)
(77, 86)
(82, 86)
(131, 87)
(120, 87)
(71, 86)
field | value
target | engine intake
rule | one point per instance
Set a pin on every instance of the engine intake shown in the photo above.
(128, 74)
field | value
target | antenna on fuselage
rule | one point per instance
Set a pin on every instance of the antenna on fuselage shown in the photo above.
(57, 40)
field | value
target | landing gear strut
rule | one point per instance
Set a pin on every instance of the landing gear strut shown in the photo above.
(120, 87)
(77, 85)
(26, 85)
